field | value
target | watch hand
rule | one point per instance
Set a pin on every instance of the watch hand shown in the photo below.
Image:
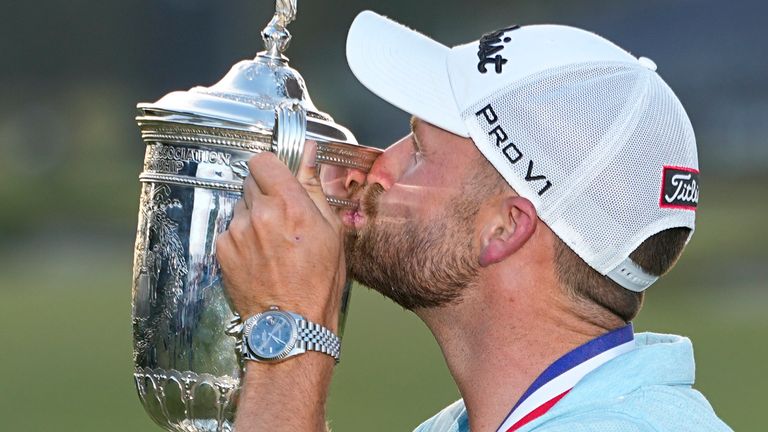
(277, 329)
(277, 339)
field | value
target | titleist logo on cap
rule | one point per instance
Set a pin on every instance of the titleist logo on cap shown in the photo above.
(489, 45)
(680, 189)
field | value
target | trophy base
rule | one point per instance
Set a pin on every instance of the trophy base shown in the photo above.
(187, 401)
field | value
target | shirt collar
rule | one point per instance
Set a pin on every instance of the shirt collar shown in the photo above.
(560, 377)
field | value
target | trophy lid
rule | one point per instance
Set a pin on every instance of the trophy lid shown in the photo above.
(248, 95)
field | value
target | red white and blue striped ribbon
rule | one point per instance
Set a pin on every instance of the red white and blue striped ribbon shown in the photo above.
(560, 377)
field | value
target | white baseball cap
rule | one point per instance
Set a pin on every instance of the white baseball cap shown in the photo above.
(590, 134)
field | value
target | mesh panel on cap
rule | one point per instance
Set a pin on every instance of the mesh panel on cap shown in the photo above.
(601, 134)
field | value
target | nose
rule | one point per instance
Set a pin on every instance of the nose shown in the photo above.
(388, 167)
(354, 179)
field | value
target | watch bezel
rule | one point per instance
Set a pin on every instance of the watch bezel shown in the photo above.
(288, 346)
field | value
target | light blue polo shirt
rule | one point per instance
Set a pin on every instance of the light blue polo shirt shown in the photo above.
(647, 389)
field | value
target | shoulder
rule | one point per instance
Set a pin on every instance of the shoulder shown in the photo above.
(593, 422)
(661, 408)
(647, 389)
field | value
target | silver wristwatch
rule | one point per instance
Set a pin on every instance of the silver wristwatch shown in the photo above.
(275, 335)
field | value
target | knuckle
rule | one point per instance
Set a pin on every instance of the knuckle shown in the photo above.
(258, 217)
(237, 235)
(236, 226)
(264, 215)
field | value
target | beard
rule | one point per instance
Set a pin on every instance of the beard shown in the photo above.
(417, 264)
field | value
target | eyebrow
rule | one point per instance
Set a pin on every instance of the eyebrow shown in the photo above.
(414, 122)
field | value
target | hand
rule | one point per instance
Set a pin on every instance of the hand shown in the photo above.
(284, 245)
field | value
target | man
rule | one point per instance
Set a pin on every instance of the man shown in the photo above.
(549, 179)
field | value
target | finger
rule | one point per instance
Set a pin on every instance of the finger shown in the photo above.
(241, 207)
(252, 194)
(236, 232)
(240, 219)
(332, 180)
(271, 175)
(308, 177)
(243, 199)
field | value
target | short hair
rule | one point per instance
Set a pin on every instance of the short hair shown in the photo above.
(656, 255)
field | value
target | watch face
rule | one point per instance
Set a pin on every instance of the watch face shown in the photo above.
(272, 335)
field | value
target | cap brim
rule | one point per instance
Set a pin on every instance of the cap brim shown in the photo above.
(405, 68)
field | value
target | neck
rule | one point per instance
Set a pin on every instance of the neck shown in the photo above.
(494, 361)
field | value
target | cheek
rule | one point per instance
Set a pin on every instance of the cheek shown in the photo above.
(417, 196)
(436, 182)
(401, 201)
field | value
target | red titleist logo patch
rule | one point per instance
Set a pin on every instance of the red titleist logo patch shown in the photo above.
(679, 188)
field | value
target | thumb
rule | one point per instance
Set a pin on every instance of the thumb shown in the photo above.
(308, 177)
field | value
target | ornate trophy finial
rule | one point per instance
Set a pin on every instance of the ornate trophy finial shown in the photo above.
(276, 36)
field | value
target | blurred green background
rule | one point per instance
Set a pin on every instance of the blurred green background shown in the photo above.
(72, 72)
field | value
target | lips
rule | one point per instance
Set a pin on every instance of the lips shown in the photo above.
(368, 198)
(353, 218)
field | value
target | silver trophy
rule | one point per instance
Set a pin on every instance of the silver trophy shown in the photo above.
(187, 367)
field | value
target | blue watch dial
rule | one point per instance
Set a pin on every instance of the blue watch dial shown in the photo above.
(273, 335)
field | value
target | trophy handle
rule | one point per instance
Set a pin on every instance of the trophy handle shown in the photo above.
(290, 133)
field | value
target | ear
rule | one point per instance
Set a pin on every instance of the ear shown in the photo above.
(507, 230)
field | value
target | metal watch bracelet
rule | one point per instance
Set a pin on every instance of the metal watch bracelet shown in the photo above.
(314, 337)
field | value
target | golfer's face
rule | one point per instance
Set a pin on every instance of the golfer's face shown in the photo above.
(418, 176)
